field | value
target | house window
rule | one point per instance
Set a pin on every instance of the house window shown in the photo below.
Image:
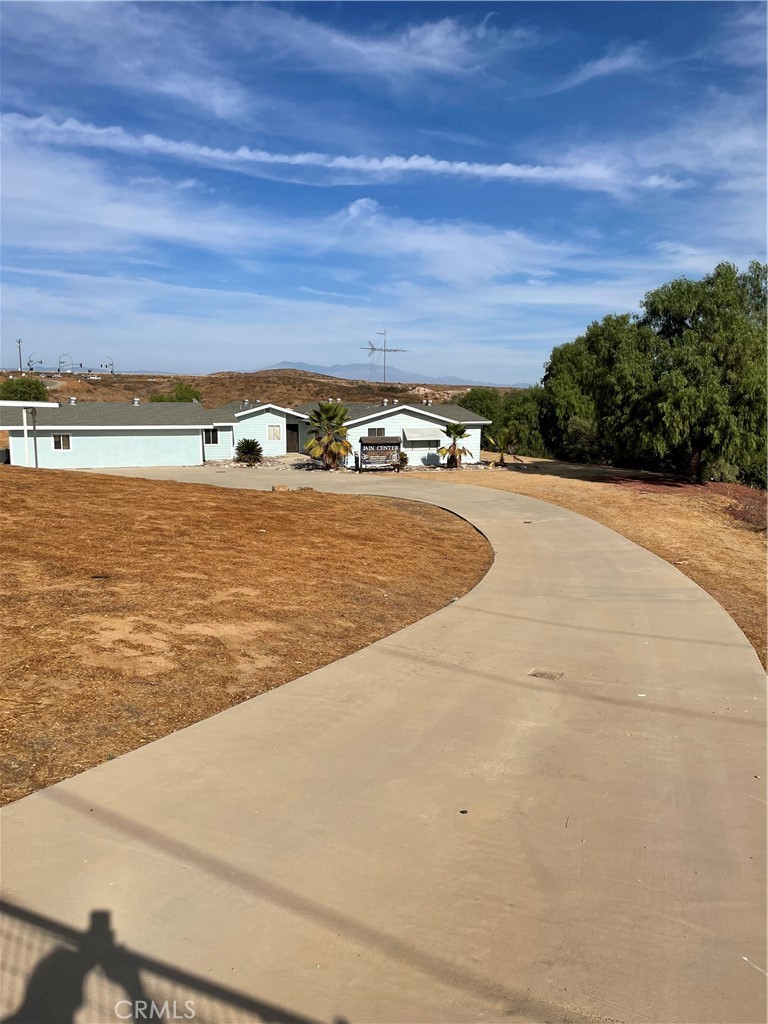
(211, 436)
(273, 432)
(61, 442)
(377, 432)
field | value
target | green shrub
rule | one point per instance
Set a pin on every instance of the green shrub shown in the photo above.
(249, 451)
(23, 389)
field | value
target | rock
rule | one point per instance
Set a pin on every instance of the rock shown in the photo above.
(305, 488)
(280, 487)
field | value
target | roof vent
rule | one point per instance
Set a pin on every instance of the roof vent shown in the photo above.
(423, 401)
(429, 401)
(72, 400)
(385, 401)
(338, 399)
(394, 401)
(135, 401)
(244, 403)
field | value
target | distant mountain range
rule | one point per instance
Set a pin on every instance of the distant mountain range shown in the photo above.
(361, 371)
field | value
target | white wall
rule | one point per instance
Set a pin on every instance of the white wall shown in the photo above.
(255, 425)
(92, 449)
(395, 421)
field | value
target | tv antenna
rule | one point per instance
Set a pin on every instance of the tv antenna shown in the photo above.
(371, 348)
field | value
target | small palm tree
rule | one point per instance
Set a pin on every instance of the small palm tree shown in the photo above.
(328, 435)
(249, 451)
(501, 441)
(454, 451)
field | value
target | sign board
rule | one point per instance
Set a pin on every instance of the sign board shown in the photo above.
(379, 453)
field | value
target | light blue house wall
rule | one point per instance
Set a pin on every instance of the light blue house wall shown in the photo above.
(255, 424)
(395, 423)
(224, 449)
(102, 448)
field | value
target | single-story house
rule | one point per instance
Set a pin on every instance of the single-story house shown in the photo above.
(419, 426)
(94, 435)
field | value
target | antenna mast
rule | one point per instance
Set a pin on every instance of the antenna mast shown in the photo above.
(371, 348)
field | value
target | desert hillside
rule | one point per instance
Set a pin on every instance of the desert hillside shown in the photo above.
(285, 387)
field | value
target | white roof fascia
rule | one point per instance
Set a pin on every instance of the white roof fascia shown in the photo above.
(58, 427)
(270, 405)
(6, 403)
(387, 410)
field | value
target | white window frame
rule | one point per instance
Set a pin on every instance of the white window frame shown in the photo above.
(274, 432)
(61, 447)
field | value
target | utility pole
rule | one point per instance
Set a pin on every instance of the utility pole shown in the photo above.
(371, 348)
(21, 368)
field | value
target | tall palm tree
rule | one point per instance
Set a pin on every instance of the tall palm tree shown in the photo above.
(328, 435)
(501, 441)
(455, 432)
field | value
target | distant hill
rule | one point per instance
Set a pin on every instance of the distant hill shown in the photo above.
(361, 371)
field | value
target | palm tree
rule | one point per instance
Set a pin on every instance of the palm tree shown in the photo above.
(328, 440)
(456, 432)
(501, 441)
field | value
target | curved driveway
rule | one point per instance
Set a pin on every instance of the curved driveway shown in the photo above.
(543, 803)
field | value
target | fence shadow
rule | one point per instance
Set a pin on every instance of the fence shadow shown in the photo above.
(52, 972)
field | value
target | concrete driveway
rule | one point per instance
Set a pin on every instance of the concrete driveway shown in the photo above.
(542, 803)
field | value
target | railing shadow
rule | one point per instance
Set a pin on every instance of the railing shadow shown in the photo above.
(52, 974)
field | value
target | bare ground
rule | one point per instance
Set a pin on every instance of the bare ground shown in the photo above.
(135, 608)
(715, 534)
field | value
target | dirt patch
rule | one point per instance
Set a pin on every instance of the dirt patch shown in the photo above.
(711, 533)
(135, 608)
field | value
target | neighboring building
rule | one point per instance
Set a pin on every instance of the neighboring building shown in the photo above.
(100, 435)
(420, 427)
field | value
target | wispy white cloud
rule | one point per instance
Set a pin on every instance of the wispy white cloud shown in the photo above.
(741, 40)
(445, 47)
(150, 49)
(631, 58)
(586, 172)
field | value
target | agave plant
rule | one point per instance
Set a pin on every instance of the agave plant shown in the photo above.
(249, 451)
(454, 451)
(501, 442)
(328, 434)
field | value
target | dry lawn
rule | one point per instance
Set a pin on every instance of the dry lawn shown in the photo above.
(714, 534)
(135, 608)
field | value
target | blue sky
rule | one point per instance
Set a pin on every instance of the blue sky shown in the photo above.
(201, 187)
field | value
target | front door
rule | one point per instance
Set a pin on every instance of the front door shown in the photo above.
(292, 437)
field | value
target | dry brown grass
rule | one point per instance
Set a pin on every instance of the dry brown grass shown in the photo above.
(285, 387)
(134, 608)
(692, 527)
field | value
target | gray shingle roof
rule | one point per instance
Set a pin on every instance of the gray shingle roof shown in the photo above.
(116, 414)
(192, 414)
(446, 411)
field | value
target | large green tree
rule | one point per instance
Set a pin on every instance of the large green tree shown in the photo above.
(709, 369)
(567, 391)
(521, 415)
(23, 389)
(487, 403)
(682, 386)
